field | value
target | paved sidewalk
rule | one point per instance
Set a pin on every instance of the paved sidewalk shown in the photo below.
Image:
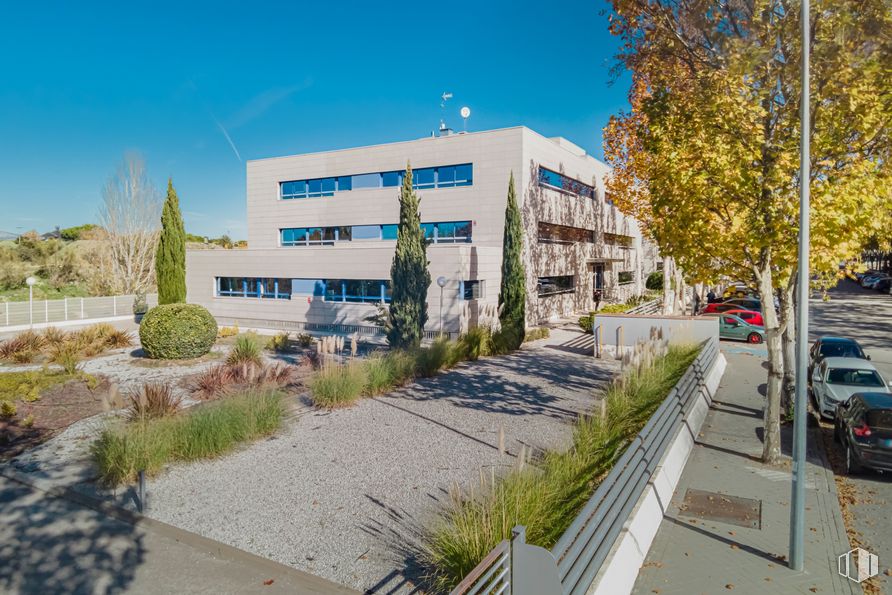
(54, 545)
(692, 554)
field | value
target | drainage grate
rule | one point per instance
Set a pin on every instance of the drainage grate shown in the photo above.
(712, 506)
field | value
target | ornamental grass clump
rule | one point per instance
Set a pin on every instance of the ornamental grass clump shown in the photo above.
(247, 350)
(430, 360)
(338, 385)
(206, 431)
(547, 496)
(153, 400)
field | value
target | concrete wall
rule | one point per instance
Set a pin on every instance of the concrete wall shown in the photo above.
(620, 332)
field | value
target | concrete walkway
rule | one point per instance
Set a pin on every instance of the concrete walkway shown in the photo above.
(54, 545)
(692, 554)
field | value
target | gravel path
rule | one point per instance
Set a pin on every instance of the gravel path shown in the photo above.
(343, 494)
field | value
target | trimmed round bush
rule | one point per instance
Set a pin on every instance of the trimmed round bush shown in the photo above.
(177, 331)
(654, 280)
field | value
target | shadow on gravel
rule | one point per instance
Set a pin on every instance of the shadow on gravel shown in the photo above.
(49, 545)
(402, 538)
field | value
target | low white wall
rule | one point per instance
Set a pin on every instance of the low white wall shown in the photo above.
(617, 333)
(620, 570)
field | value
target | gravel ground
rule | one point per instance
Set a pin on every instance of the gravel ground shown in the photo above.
(343, 494)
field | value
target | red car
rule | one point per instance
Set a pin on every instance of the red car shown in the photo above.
(754, 318)
(718, 308)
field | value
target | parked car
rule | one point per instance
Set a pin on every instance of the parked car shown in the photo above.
(864, 429)
(754, 318)
(718, 308)
(870, 280)
(737, 289)
(836, 379)
(833, 347)
(883, 285)
(734, 327)
(753, 304)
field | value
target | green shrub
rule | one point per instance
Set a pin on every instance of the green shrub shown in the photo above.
(206, 431)
(534, 334)
(7, 409)
(28, 385)
(338, 385)
(477, 342)
(305, 340)
(586, 322)
(547, 499)
(654, 280)
(430, 360)
(380, 376)
(177, 331)
(614, 308)
(245, 351)
(279, 342)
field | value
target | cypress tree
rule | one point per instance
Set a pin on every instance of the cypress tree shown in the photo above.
(408, 273)
(170, 257)
(512, 293)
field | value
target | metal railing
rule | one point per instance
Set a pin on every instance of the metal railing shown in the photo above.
(68, 309)
(582, 549)
(585, 544)
(651, 307)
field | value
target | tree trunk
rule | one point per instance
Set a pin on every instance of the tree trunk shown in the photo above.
(668, 276)
(771, 449)
(788, 320)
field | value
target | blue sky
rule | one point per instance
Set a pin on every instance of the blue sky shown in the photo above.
(84, 83)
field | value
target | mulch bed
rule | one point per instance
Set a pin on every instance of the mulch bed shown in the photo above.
(57, 408)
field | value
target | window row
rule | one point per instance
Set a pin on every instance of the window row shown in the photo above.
(563, 183)
(625, 277)
(443, 232)
(444, 176)
(254, 287)
(556, 285)
(331, 290)
(550, 233)
(615, 239)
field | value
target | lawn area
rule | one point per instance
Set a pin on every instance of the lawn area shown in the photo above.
(28, 385)
(44, 291)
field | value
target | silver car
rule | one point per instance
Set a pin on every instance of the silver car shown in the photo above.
(838, 378)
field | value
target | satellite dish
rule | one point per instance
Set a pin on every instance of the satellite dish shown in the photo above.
(465, 112)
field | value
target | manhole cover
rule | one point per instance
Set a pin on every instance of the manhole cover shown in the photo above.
(712, 506)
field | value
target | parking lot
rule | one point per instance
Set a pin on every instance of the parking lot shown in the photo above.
(864, 315)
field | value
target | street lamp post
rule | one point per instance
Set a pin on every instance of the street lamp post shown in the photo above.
(441, 281)
(797, 508)
(31, 281)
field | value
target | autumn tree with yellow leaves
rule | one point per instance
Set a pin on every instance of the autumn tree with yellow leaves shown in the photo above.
(707, 156)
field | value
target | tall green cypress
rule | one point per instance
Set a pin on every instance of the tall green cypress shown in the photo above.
(408, 273)
(170, 257)
(512, 293)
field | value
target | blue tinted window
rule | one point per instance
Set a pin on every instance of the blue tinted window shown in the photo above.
(464, 174)
(446, 176)
(314, 187)
(328, 186)
(345, 183)
(445, 230)
(428, 230)
(423, 178)
(391, 178)
(388, 232)
(463, 231)
(294, 189)
(269, 288)
(567, 184)
(366, 232)
(366, 181)
(304, 286)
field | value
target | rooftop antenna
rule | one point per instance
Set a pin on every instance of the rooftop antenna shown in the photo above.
(446, 96)
(465, 114)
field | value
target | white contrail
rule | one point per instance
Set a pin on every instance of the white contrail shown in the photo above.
(228, 138)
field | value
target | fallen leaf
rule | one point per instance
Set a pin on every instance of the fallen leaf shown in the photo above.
(813, 589)
(268, 582)
(729, 586)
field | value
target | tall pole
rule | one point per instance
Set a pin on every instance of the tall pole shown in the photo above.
(797, 508)
(441, 309)
(31, 306)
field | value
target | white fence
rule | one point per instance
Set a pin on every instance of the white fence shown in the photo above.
(68, 309)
